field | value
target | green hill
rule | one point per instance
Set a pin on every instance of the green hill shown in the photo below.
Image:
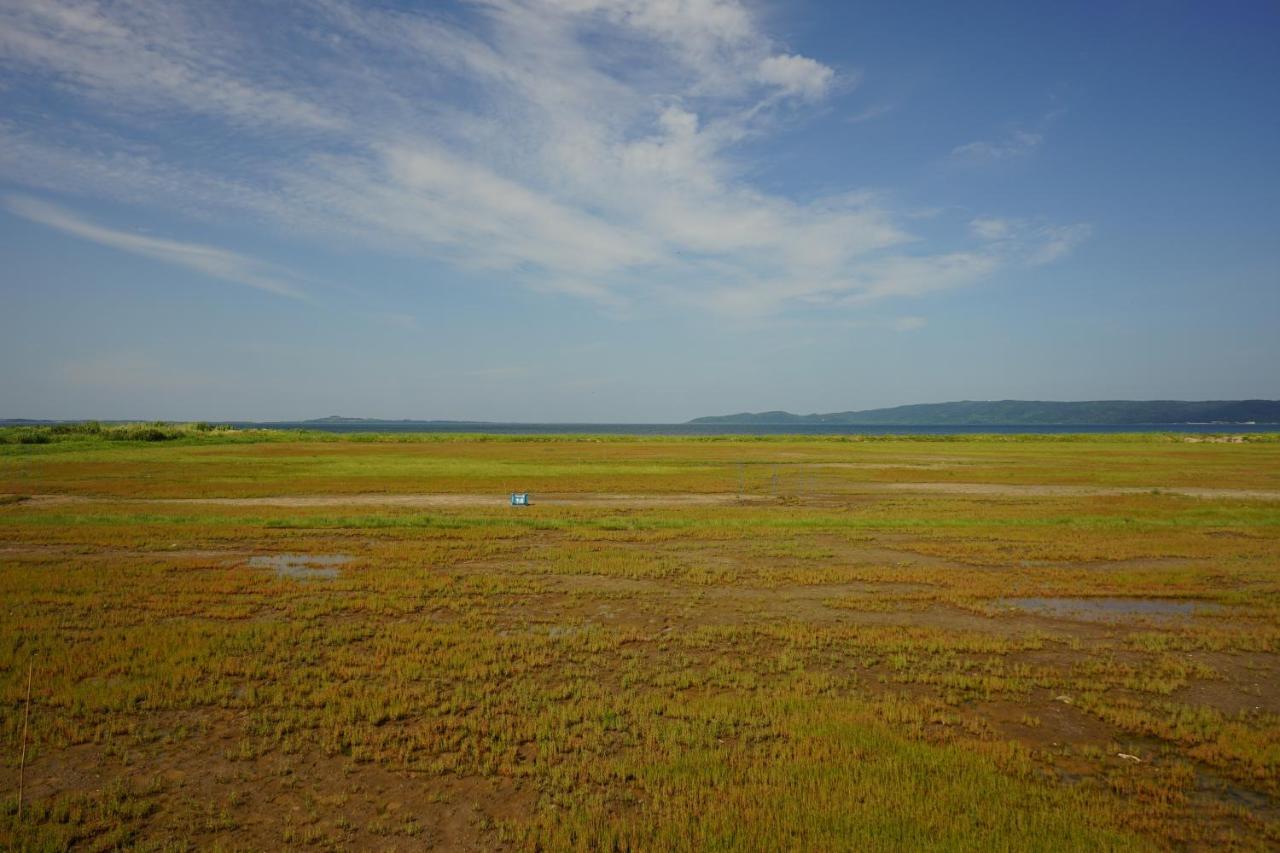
(1030, 413)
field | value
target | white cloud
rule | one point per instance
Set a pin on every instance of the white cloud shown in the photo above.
(869, 113)
(1018, 144)
(921, 275)
(990, 228)
(1028, 243)
(207, 260)
(1057, 241)
(796, 75)
(908, 324)
(583, 147)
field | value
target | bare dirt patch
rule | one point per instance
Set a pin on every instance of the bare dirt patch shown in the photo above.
(1101, 609)
(276, 800)
(302, 566)
(1043, 491)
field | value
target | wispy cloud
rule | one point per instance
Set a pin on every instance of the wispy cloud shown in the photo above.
(869, 113)
(584, 147)
(1014, 146)
(908, 324)
(796, 75)
(1015, 143)
(990, 228)
(148, 55)
(207, 260)
(1057, 241)
(1030, 244)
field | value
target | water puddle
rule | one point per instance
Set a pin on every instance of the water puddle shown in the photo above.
(302, 566)
(1112, 609)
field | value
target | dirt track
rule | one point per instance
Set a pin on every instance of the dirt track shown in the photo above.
(421, 500)
(1038, 491)
(660, 500)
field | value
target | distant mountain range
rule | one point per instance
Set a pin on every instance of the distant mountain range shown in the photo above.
(1030, 413)
(964, 413)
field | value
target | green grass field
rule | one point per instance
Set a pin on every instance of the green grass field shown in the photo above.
(247, 640)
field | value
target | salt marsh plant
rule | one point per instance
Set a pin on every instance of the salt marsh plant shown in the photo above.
(644, 659)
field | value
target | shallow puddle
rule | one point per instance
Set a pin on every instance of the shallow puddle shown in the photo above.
(1112, 609)
(302, 566)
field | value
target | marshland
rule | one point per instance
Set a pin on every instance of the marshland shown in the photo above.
(249, 640)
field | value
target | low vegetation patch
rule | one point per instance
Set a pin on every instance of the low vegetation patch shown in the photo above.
(807, 659)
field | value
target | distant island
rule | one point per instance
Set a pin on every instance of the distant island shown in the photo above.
(1030, 413)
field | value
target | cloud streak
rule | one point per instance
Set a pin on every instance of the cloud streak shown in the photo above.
(582, 147)
(206, 260)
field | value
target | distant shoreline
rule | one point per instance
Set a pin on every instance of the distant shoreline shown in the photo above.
(371, 427)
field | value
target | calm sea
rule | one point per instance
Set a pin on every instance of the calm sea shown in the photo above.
(753, 429)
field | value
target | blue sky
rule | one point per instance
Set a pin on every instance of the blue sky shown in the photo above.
(632, 210)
